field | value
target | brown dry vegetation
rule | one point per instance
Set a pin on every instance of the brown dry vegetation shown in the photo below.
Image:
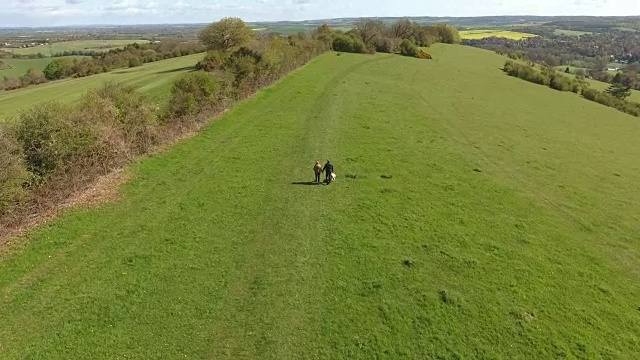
(104, 189)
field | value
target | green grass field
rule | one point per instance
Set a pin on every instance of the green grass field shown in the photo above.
(97, 45)
(155, 79)
(482, 34)
(572, 68)
(475, 216)
(20, 66)
(570, 32)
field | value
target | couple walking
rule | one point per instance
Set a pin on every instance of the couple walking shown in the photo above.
(328, 169)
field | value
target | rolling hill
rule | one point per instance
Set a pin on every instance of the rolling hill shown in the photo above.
(475, 215)
(154, 79)
(18, 67)
(75, 45)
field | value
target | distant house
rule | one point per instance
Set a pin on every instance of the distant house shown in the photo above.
(613, 69)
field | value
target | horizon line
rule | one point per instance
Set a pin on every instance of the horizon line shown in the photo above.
(322, 19)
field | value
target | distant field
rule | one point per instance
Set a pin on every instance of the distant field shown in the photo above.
(342, 28)
(570, 32)
(572, 69)
(284, 29)
(97, 45)
(614, 65)
(153, 78)
(482, 34)
(626, 29)
(20, 66)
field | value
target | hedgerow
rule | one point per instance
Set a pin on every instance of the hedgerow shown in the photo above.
(54, 149)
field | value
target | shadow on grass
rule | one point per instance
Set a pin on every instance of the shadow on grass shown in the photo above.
(304, 183)
(185, 68)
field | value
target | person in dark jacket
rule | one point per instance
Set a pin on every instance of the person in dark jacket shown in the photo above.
(328, 169)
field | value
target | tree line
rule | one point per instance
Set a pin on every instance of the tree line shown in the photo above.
(65, 53)
(52, 148)
(9, 55)
(370, 36)
(615, 96)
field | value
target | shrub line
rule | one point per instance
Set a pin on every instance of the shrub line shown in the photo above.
(55, 151)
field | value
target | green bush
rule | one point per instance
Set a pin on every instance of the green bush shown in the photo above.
(386, 44)
(214, 60)
(191, 94)
(577, 86)
(560, 83)
(423, 35)
(630, 108)
(120, 109)
(243, 64)
(591, 94)
(13, 173)
(58, 69)
(526, 72)
(408, 48)
(350, 44)
(135, 61)
(426, 41)
(546, 76)
(50, 137)
(226, 34)
(448, 34)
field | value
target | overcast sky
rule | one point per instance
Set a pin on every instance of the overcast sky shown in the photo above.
(74, 12)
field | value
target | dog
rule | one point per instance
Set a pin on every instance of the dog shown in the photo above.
(333, 177)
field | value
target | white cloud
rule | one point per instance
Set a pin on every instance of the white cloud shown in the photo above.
(131, 7)
(47, 12)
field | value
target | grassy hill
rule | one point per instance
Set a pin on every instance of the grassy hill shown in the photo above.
(475, 215)
(153, 78)
(96, 45)
(19, 67)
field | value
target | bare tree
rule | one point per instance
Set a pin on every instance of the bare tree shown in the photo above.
(402, 29)
(369, 29)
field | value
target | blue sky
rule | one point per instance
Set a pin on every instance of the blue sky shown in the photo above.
(74, 12)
